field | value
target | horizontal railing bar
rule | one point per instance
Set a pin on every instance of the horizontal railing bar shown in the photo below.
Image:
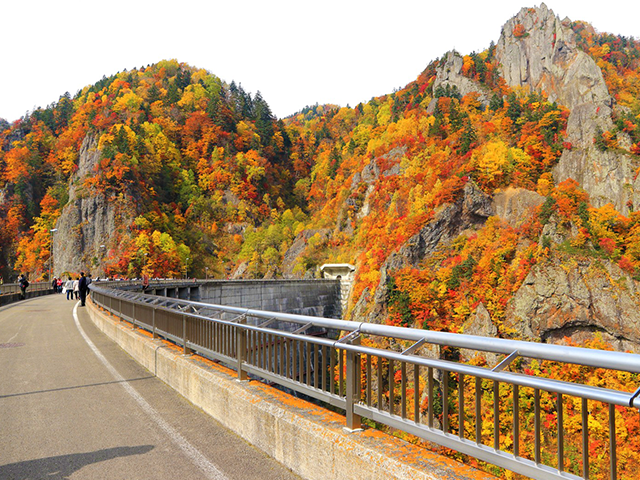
(579, 390)
(583, 391)
(575, 355)
(212, 355)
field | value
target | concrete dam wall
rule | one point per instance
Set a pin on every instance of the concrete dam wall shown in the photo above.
(318, 298)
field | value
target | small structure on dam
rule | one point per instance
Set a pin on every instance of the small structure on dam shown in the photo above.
(343, 272)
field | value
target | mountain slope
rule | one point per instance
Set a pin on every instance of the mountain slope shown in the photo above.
(493, 195)
(445, 194)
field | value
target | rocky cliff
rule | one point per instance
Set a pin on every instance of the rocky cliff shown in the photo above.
(561, 297)
(546, 58)
(538, 51)
(564, 297)
(471, 210)
(88, 221)
(577, 299)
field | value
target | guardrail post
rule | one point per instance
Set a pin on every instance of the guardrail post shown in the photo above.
(153, 323)
(353, 387)
(241, 350)
(185, 350)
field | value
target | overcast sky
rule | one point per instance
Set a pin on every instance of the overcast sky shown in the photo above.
(295, 52)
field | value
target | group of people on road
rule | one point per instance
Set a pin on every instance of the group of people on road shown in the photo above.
(56, 284)
(78, 288)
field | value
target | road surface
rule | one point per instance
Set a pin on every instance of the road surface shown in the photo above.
(74, 405)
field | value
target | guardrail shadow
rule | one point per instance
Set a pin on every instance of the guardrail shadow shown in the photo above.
(62, 466)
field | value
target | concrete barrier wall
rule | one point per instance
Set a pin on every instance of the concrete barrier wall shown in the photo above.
(306, 438)
(319, 298)
(15, 297)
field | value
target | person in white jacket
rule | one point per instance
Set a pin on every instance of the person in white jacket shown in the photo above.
(68, 287)
(76, 288)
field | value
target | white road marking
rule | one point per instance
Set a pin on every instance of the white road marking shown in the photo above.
(210, 470)
(16, 334)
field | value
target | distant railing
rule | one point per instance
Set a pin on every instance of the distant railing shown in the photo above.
(456, 405)
(151, 282)
(11, 288)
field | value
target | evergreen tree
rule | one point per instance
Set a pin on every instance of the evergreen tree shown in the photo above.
(173, 95)
(468, 138)
(63, 111)
(264, 119)
(285, 135)
(514, 110)
(496, 103)
(153, 94)
(183, 78)
(241, 101)
(220, 112)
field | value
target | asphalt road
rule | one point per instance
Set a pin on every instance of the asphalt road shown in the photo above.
(73, 405)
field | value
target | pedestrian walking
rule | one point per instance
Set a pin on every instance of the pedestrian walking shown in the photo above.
(68, 287)
(54, 285)
(83, 286)
(76, 288)
(24, 283)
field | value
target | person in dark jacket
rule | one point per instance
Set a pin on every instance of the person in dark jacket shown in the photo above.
(83, 285)
(24, 283)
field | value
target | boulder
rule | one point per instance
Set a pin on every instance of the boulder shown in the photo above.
(480, 324)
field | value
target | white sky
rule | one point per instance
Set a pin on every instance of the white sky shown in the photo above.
(295, 52)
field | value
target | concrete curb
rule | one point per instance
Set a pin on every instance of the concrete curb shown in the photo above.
(302, 436)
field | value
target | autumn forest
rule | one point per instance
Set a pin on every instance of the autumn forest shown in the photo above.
(201, 177)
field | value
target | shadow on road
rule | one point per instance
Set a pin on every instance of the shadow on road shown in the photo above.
(60, 467)
(60, 389)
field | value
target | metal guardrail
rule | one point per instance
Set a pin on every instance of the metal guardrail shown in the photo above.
(437, 400)
(11, 288)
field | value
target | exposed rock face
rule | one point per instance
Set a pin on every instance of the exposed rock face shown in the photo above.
(515, 205)
(480, 324)
(87, 221)
(472, 209)
(449, 72)
(546, 58)
(370, 174)
(296, 250)
(577, 302)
